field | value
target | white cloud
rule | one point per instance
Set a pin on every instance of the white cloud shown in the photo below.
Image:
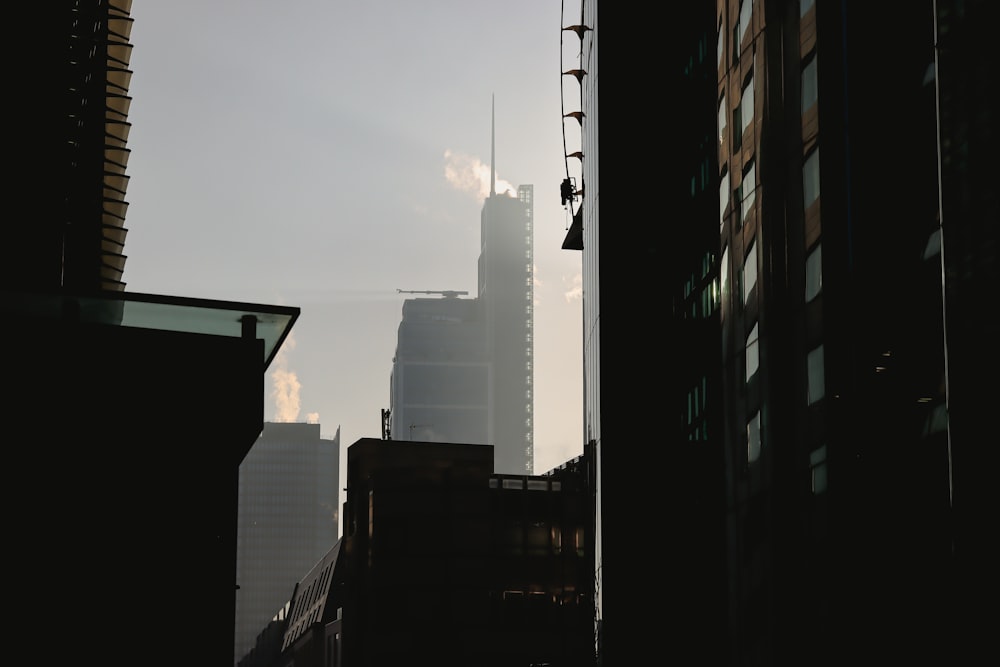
(285, 385)
(575, 290)
(471, 175)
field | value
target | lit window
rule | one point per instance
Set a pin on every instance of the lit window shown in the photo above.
(817, 470)
(719, 46)
(814, 273)
(753, 358)
(749, 272)
(745, 10)
(810, 178)
(815, 382)
(748, 190)
(809, 87)
(753, 438)
(722, 117)
(746, 105)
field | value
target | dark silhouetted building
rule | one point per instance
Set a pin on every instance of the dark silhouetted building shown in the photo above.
(289, 516)
(122, 512)
(849, 300)
(444, 562)
(648, 233)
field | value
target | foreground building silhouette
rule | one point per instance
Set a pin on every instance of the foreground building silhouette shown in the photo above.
(289, 516)
(444, 561)
(851, 286)
(122, 478)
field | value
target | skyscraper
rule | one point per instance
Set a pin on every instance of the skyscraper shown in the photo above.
(462, 371)
(288, 519)
(506, 284)
(441, 373)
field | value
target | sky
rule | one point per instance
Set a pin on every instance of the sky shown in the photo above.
(325, 154)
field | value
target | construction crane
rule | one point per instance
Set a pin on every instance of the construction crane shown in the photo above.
(446, 293)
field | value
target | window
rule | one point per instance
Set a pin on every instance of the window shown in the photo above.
(814, 273)
(937, 420)
(817, 470)
(719, 45)
(746, 8)
(753, 438)
(723, 198)
(753, 358)
(805, 6)
(810, 91)
(746, 105)
(722, 117)
(749, 272)
(810, 178)
(815, 382)
(737, 122)
(933, 246)
(748, 190)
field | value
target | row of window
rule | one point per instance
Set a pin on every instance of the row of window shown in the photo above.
(744, 196)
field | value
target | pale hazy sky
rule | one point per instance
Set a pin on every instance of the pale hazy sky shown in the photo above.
(325, 153)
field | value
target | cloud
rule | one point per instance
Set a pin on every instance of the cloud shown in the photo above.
(285, 385)
(312, 418)
(576, 288)
(471, 175)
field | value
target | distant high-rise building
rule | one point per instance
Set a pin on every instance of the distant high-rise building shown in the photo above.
(462, 371)
(440, 389)
(288, 518)
(506, 292)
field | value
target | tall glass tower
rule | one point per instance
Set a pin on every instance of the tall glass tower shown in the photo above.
(288, 519)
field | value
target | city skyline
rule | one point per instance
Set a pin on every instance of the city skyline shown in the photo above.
(326, 157)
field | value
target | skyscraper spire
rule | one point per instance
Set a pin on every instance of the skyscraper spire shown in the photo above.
(493, 133)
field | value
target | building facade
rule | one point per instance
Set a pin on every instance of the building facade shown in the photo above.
(289, 516)
(837, 452)
(843, 394)
(651, 329)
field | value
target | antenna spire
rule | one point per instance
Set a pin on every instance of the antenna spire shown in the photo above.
(493, 143)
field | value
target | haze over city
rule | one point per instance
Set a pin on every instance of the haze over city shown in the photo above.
(327, 155)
